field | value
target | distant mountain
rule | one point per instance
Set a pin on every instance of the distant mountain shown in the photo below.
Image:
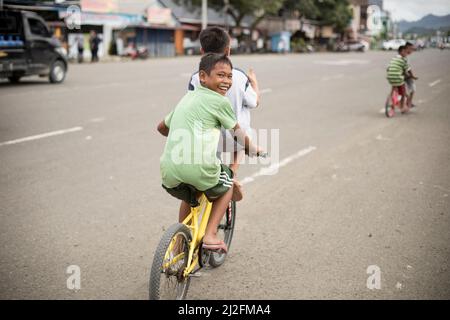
(429, 22)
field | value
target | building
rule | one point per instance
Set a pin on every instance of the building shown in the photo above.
(367, 21)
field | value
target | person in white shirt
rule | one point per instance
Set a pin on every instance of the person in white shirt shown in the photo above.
(243, 94)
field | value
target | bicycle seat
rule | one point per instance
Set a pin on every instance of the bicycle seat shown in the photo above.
(185, 192)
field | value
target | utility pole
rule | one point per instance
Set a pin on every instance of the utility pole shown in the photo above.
(204, 14)
(225, 10)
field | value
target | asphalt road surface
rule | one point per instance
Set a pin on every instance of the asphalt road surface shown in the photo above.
(355, 192)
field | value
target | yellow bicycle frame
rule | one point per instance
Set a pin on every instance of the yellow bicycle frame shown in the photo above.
(196, 221)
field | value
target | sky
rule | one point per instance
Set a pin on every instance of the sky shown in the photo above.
(412, 10)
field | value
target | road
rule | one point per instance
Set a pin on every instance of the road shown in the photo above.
(80, 183)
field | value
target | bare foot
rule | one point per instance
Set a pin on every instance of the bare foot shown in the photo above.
(214, 244)
(237, 191)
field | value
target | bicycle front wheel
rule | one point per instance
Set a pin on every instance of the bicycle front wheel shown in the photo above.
(225, 232)
(167, 281)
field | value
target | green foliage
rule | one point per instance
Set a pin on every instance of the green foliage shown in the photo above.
(335, 12)
(305, 8)
(238, 9)
(298, 45)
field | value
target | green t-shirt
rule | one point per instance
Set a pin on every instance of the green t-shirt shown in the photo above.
(396, 70)
(194, 129)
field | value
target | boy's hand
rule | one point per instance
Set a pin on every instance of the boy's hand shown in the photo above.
(256, 151)
(415, 78)
(254, 83)
(252, 76)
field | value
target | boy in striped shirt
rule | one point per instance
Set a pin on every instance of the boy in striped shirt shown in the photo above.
(396, 71)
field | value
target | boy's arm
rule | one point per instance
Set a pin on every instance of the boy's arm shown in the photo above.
(163, 129)
(244, 140)
(254, 83)
(164, 126)
(411, 75)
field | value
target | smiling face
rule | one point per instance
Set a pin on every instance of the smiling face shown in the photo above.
(219, 78)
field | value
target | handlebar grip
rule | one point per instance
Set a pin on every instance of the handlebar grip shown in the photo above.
(262, 154)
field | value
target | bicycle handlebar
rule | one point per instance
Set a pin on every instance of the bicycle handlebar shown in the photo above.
(260, 155)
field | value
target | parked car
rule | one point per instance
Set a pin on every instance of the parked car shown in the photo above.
(27, 48)
(444, 45)
(393, 44)
(353, 45)
(191, 47)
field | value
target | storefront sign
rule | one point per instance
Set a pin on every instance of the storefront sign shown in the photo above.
(103, 6)
(159, 16)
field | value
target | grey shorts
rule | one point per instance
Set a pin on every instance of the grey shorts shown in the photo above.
(410, 85)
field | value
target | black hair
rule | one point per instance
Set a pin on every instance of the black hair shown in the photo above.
(401, 48)
(214, 39)
(409, 44)
(209, 61)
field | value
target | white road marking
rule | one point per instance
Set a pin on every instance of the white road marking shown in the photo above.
(342, 62)
(40, 136)
(432, 84)
(274, 167)
(96, 120)
(266, 90)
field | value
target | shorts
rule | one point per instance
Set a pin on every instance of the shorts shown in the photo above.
(410, 85)
(189, 193)
(400, 89)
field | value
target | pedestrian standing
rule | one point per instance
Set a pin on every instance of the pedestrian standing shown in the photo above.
(94, 42)
(80, 46)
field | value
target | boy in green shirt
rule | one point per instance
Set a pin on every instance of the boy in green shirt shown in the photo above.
(189, 163)
(398, 67)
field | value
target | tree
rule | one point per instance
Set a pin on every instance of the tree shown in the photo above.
(238, 9)
(302, 8)
(336, 13)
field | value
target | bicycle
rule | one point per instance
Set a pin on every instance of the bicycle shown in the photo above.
(394, 99)
(180, 254)
(392, 102)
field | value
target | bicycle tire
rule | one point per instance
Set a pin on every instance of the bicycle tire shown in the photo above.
(389, 107)
(227, 225)
(156, 288)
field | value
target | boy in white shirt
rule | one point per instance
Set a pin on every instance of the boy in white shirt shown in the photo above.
(243, 95)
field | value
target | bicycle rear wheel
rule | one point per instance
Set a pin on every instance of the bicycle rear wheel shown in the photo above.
(166, 276)
(389, 107)
(225, 232)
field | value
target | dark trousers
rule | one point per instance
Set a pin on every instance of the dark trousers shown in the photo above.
(80, 56)
(94, 56)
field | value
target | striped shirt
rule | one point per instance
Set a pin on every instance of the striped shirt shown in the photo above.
(396, 71)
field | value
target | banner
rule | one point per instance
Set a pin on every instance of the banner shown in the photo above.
(159, 16)
(103, 6)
